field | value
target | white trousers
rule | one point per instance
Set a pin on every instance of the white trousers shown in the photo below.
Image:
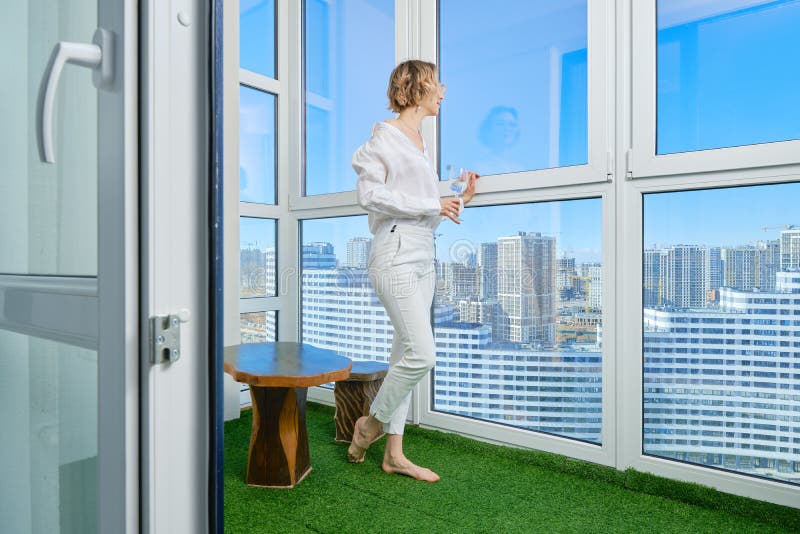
(402, 273)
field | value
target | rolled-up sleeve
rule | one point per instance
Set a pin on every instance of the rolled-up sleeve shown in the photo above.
(375, 195)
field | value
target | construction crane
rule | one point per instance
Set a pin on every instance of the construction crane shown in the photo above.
(781, 227)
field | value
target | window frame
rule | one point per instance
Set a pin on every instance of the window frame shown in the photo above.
(279, 88)
(600, 104)
(603, 453)
(630, 408)
(643, 162)
(615, 154)
(416, 35)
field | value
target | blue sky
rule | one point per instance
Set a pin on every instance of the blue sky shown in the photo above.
(727, 78)
(724, 79)
(731, 216)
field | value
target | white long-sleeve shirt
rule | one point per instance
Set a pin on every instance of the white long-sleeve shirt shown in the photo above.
(397, 183)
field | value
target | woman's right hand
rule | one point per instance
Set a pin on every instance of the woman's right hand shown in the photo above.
(450, 208)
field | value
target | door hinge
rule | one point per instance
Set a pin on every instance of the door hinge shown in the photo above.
(609, 166)
(165, 332)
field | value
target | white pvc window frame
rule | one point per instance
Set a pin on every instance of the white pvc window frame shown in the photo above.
(603, 453)
(635, 116)
(416, 37)
(279, 88)
(600, 120)
(630, 398)
(618, 117)
(643, 160)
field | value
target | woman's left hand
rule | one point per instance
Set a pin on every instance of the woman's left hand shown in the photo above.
(469, 192)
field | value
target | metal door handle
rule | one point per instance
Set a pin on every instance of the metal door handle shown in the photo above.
(98, 57)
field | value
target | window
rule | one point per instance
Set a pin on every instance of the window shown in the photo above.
(258, 326)
(722, 76)
(526, 281)
(257, 146)
(544, 88)
(259, 99)
(336, 292)
(710, 89)
(257, 36)
(257, 258)
(710, 272)
(349, 53)
(511, 106)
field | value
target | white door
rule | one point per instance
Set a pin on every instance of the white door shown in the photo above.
(68, 267)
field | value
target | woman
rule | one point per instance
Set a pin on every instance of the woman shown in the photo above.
(398, 186)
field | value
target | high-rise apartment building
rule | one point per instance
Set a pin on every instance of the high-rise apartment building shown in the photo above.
(683, 276)
(487, 264)
(769, 263)
(790, 249)
(651, 278)
(358, 252)
(751, 267)
(460, 280)
(565, 273)
(713, 269)
(592, 277)
(526, 286)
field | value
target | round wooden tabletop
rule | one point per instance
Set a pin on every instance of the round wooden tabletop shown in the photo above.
(285, 364)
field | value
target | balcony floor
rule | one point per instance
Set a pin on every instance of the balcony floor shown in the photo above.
(483, 488)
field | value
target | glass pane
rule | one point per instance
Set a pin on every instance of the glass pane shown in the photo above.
(340, 310)
(518, 317)
(721, 324)
(48, 213)
(257, 36)
(257, 260)
(256, 146)
(516, 85)
(48, 392)
(349, 53)
(725, 75)
(257, 327)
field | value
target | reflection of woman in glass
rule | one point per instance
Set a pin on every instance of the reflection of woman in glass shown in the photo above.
(499, 132)
(398, 186)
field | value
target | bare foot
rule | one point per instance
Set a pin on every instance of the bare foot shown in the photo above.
(363, 437)
(404, 466)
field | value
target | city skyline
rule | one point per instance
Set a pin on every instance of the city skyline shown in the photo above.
(567, 221)
(711, 217)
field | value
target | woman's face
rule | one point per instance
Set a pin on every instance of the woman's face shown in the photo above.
(433, 100)
(503, 130)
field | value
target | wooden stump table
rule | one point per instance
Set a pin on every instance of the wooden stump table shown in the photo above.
(355, 395)
(279, 374)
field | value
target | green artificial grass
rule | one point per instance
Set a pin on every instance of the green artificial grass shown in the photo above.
(484, 488)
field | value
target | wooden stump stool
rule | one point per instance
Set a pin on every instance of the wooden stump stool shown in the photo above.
(279, 374)
(355, 394)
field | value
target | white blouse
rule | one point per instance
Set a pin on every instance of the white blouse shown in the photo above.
(397, 183)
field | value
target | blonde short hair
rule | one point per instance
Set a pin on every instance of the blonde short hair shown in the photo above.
(410, 82)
